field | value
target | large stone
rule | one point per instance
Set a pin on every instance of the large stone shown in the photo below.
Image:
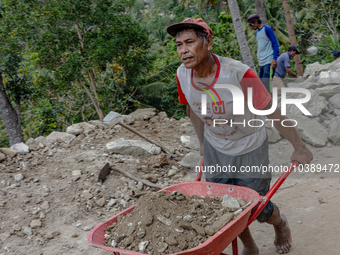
(8, 152)
(305, 85)
(191, 160)
(60, 136)
(312, 50)
(329, 77)
(80, 128)
(41, 140)
(112, 117)
(312, 69)
(316, 105)
(32, 144)
(132, 147)
(20, 148)
(335, 101)
(190, 142)
(310, 130)
(334, 132)
(162, 115)
(2, 157)
(328, 91)
(144, 114)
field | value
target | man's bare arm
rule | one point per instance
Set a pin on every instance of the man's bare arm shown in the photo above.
(301, 153)
(198, 126)
(289, 71)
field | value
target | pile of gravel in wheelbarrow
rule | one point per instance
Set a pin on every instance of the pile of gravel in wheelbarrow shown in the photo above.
(168, 223)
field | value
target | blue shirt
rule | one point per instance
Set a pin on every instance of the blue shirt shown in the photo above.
(267, 45)
(282, 63)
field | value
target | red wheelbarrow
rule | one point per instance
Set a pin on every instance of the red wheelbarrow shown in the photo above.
(218, 242)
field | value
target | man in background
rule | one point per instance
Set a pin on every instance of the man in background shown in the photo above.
(336, 53)
(267, 48)
(283, 67)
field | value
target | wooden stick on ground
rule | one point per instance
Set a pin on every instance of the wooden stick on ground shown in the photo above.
(144, 137)
(135, 178)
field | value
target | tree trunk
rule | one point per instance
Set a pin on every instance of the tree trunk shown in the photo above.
(9, 117)
(261, 11)
(291, 35)
(241, 36)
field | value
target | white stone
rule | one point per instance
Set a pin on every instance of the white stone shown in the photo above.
(35, 224)
(311, 69)
(18, 177)
(80, 128)
(142, 246)
(335, 101)
(132, 147)
(41, 140)
(230, 202)
(20, 148)
(172, 172)
(312, 50)
(76, 172)
(2, 157)
(32, 144)
(60, 136)
(112, 117)
(334, 133)
(192, 159)
(329, 91)
(27, 231)
(310, 130)
(112, 202)
(190, 142)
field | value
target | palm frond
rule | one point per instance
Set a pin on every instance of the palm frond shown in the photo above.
(155, 88)
(166, 74)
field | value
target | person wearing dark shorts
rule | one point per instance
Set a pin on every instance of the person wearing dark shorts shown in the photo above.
(213, 88)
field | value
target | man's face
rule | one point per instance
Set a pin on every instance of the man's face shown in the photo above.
(254, 25)
(292, 53)
(190, 48)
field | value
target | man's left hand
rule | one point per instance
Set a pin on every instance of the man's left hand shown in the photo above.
(302, 155)
(274, 64)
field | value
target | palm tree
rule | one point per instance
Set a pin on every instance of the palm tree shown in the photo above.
(261, 11)
(291, 34)
(241, 36)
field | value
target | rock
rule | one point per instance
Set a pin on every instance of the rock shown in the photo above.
(172, 172)
(334, 133)
(329, 77)
(222, 221)
(45, 205)
(335, 101)
(164, 220)
(304, 84)
(80, 128)
(312, 50)
(142, 246)
(159, 160)
(60, 136)
(27, 231)
(132, 147)
(140, 186)
(312, 69)
(2, 157)
(310, 130)
(198, 229)
(35, 224)
(161, 247)
(112, 117)
(112, 202)
(32, 144)
(192, 159)
(41, 140)
(230, 203)
(144, 114)
(20, 148)
(190, 142)
(18, 177)
(87, 194)
(171, 240)
(100, 202)
(316, 105)
(337, 112)
(8, 152)
(162, 115)
(128, 119)
(76, 172)
(329, 91)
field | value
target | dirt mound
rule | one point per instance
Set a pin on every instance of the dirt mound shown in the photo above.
(168, 223)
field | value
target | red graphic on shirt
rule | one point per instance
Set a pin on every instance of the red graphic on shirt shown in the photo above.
(262, 38)
(218, 108)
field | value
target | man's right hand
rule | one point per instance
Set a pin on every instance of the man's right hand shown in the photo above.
(302, 155)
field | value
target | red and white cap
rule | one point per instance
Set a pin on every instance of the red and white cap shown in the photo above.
(189, 23)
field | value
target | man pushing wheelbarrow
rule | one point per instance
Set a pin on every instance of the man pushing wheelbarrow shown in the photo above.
(229, 129)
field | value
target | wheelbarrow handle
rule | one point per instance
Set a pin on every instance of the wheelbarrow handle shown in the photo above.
(199, 173)
(265, 199)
